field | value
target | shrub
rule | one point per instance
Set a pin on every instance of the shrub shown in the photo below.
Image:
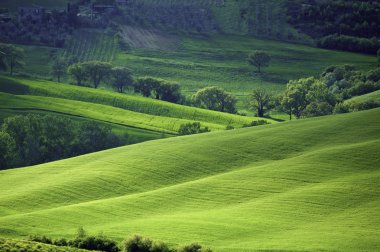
(138, 244)
(194, 247)
(256, 123)
(41, 239)
(192, 128)
(94, 243)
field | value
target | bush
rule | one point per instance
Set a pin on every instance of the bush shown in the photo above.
(256, 123)
(192, 128)
(95, 243)
(138, 244)
(41, 239)
(194, 247)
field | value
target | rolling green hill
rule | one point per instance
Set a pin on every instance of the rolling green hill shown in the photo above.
(306, 185)
(125, 107)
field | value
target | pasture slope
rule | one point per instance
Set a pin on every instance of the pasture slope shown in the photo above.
(130, 110)
(309, 185)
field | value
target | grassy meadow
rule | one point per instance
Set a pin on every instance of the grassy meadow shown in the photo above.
(307, 185)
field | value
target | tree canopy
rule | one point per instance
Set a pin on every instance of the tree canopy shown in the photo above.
(215, 98)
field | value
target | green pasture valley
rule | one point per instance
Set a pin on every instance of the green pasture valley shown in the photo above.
(189, 126)
(306, 185)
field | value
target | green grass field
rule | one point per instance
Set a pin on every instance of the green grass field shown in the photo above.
(137, 106)
(307, 185)
(374, 96)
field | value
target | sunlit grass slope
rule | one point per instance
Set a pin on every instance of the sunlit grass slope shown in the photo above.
(132, 103)
(311, 184)
(97, 112)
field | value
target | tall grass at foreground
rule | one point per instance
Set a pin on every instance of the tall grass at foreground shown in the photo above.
(307, 185)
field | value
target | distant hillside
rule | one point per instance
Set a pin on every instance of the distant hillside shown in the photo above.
(309, 185)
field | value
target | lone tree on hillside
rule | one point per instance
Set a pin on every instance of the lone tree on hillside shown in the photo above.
(78, 72)
(11, 57)
(259, 59)
(121, 78)
(261, 102)
(215, 98)
(58, 69)
(97, 71)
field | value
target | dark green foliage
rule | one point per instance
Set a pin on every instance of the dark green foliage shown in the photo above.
(10, 57)
(7, 150)
(194, 247)
(259, 59)
(41, 239)
(256, 123)
(35, 139)
(344, 25)
(121, 78)
(261, 102)
(99, 243)
(58, 68)
(192, 128)
(78, 72)
(138, 244)
(349, 43)
(45, 28)
(97, 71)
(215, 98)
(316, 97)
(159, 89)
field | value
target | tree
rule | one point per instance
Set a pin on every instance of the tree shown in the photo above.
(378, 58)
(147, 85)
(97, 71)
(215, 98)
(7, 150)
(294, 99)
(78, 72)
(58, 69)
(3, 62)
(12, 57)
(167, 91)
(261, 101)
(259, 59)
(121, 78)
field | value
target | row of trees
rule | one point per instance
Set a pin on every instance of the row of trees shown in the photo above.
(34, 139)
(310, 97)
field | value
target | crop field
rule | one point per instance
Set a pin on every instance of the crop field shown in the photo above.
(88, 45)
(132, 103)
(308, 185)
